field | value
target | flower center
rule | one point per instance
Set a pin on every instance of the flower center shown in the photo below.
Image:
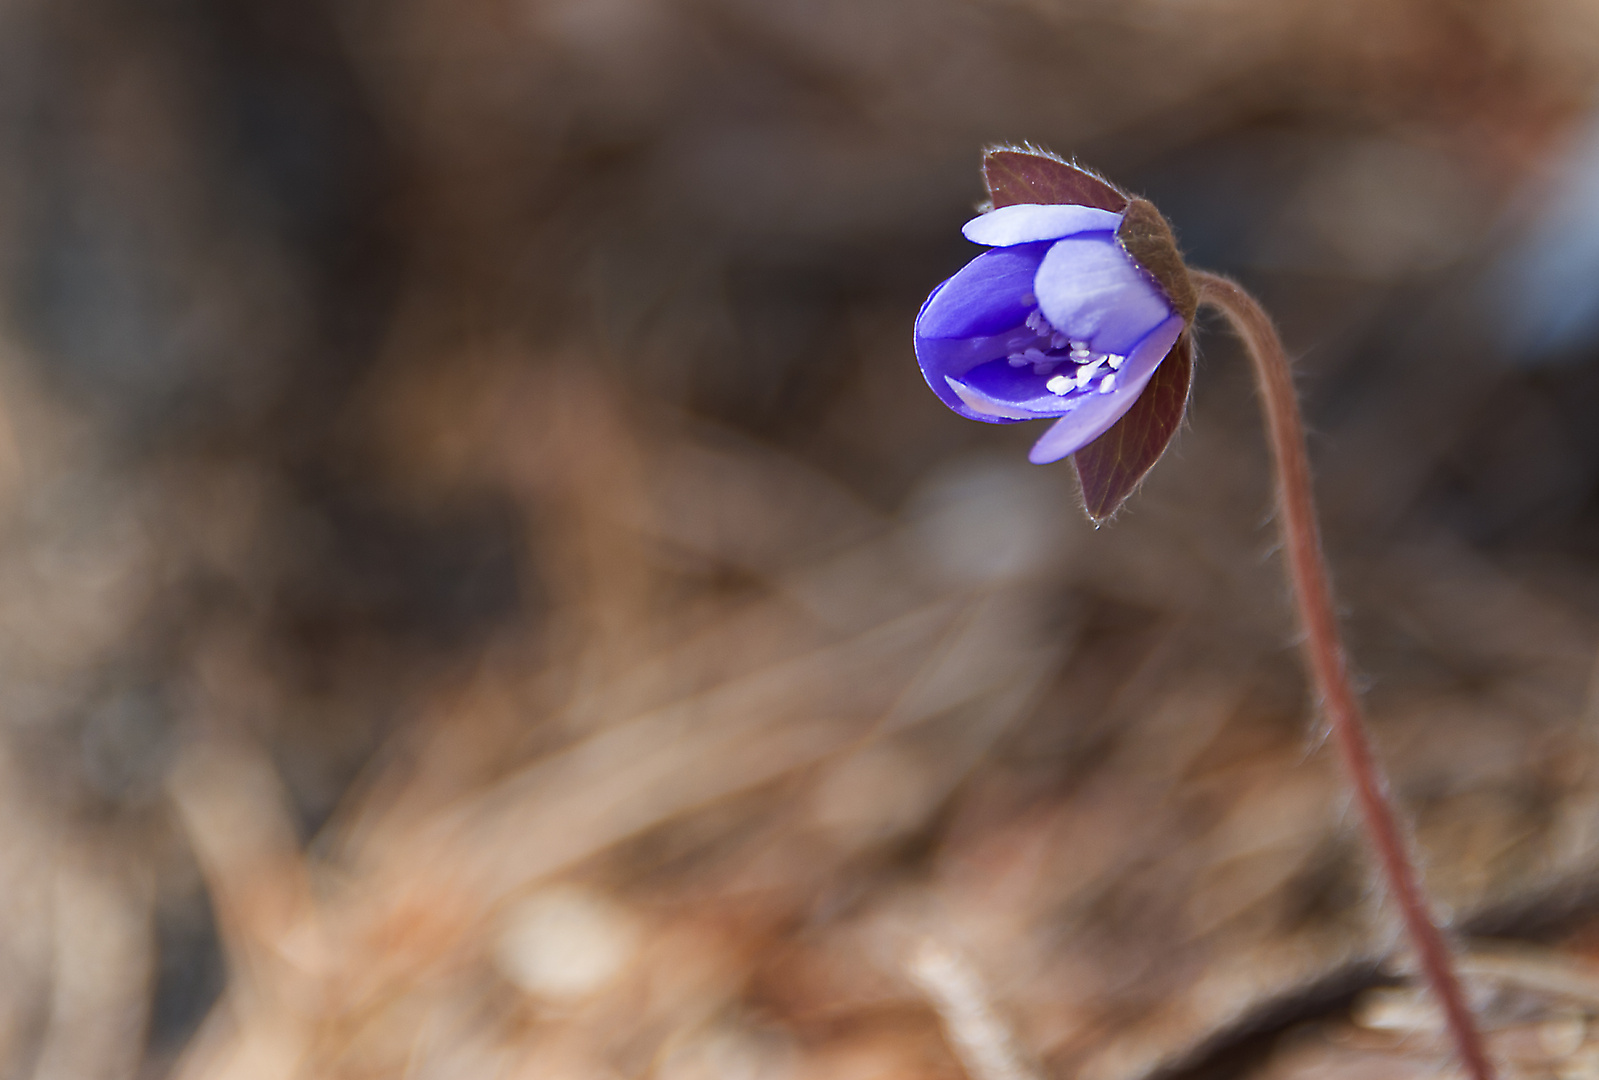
(1071, 365)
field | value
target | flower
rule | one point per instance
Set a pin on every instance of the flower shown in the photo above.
(1069, 315)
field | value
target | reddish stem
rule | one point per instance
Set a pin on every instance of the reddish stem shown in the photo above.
(1324, 654)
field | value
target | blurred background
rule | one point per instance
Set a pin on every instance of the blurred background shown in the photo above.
(485, 592)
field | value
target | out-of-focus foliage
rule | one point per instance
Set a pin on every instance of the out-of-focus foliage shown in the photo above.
(484, 591)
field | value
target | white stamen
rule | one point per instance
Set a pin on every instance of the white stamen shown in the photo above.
(1080, 346)
(1037, 323)
(1115, 361)
(1060, 384)
(1087, 372)
(1016, 359)
(1035, 355)
(1108, 383)
(1058, 341)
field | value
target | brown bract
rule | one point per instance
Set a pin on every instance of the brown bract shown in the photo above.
(1147, 237)
(1033, 176)
(1110, 467)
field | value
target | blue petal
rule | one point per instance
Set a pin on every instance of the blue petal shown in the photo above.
(1094, 414)
(1093, 291)
(1025, 223)
(998, 389)
(941, 358)
(989, 295)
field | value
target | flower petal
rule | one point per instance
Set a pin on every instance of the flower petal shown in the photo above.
(1094, 414)
(998, 389)
(1093, 291)
(989, 295)
(1026, 223)
(941, 358)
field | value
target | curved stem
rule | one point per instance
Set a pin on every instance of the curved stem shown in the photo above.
(1324, 655)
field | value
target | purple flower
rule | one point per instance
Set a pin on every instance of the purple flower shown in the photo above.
(1057, 320)
(1080, 314)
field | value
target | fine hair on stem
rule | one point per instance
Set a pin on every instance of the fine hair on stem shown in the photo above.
(1328, 664)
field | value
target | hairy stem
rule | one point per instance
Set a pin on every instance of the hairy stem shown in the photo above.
(1324, 655)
